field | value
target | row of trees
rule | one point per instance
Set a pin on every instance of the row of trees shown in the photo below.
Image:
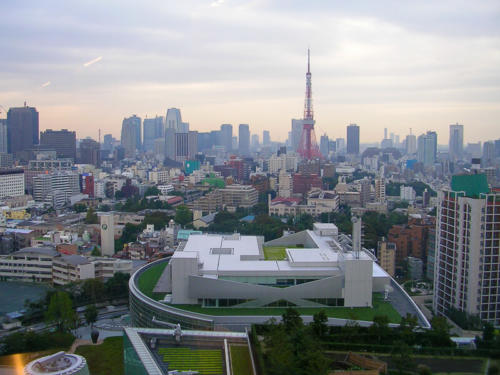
(291, 347)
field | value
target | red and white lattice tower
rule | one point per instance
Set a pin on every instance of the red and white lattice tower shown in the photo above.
(308, 148)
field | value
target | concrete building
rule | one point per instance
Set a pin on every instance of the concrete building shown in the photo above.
(62, 141)
(407, 193)
(22, 129)
(89, 152)
(380, 189)
(239, 196)
(285, 184)
(287, 162)
(55, 188)
(173, 119)
(353, 139)
(11, 182)
(31, 264)
(386, 254)
(107, 234)
(244, 140)
(4, 149)
(467, 240)
(456, 142)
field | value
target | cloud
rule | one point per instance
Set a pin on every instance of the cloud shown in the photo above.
(217, 3)
(88, 63)
(46, 84)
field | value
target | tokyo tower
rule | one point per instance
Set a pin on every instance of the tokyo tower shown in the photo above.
(308, 148)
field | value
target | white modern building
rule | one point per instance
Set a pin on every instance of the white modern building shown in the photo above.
(11, 183)
(55, 188)
(231, 270)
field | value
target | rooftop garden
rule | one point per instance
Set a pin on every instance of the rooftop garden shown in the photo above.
(380, 307)
(277, 252)
(148, 280)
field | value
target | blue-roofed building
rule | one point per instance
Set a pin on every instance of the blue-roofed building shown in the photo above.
(248, 218)
(183, 234)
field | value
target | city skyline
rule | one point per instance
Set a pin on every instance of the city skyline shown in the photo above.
(424, 68)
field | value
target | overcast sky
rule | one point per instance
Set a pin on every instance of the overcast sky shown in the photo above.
(418, 64)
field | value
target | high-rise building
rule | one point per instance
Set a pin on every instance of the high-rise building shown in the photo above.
(192, 144)
(244, 139)
(488, 154)
(364, 191)
(226, 135)
(296, 133)
(324, 144)
(466, 275)
(411, 144)
(427, 148)
(131, 135)
(340, 144)
(456, 142)
(3, 136)
(170, 143)
(266, 138)
(152, 129)
(62, 141)
(89, 152)
(181, 147)
(353, 139)
(380, 189)
(255, 142)
(173, 119)
(22, 128)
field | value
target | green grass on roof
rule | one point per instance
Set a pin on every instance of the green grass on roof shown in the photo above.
(276, 252)
(104, 359)
(241, 363)
(148, 279)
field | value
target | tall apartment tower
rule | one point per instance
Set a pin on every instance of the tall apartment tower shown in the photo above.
(244, 139)
(353, 139)
(22, 128)
(296, 133)
(456, 142)
(62, 141)
(380, 189)
(89, 152)
(131, 135)
(466, 271)
(427, 148)
(226, 135)
(107, 235)
(386, 254)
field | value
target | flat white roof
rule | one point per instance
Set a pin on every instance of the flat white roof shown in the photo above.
(224, 255)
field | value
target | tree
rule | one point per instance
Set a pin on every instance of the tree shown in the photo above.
(183, 215)
(93, 290)
(91, 217)
(153, 190)
(79, 207)
(291, 320)
(91, 314)
(96, 252)
(401, 357)
(60, 312)
(380, 328)
(318, 325)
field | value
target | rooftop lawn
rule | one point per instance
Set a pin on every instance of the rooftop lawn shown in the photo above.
(380, 307)
(104, 359)
(276, 252)
(241, 363)
(148, 279)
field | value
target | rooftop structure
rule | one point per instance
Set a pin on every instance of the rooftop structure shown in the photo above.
(58, 364)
